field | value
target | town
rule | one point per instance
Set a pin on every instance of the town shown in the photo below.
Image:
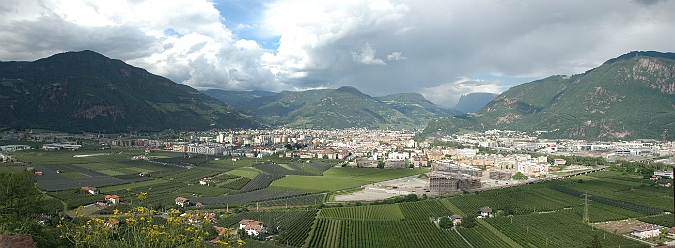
(458, 162)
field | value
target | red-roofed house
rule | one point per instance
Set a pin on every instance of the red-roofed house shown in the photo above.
(181, 201)
(112, 199)
(251, 227)
(646, 231)
(91, 190)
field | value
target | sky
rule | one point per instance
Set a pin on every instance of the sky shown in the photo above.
(441, 49)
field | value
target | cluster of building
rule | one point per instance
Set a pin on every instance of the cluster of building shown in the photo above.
(4, 158)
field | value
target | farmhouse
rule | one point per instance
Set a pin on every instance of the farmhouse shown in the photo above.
(456, 219)
(251, 227)
(181, 201)
(112, 199)
(205, 181)
(646, 231)
(486, 212)
(91, 190)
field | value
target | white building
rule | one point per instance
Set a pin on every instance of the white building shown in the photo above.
(646, 231)
(251, 227)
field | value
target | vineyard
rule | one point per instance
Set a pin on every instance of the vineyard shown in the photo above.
(611, 202)
(248, 197)
(359, 233)
(544, 230)
(375, 212)
(523, 199)
(661, 220)
(234, 183)
(260, 181)
(628, 190)
(303, 200)
(293, 225)
(479, 236)
(546, 214)
(277, 169)
(423, 210)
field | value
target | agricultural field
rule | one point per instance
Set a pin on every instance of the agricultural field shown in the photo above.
(375, 212)
(423, 210)
(64, 170)
(516, 200)
(260, 181)
(555, 229)
(234, 183)
(546, 214)
(248, 197)
(359, 233)
(302, 200)
(247, 172)
(608, 185)
(293, 225)
(534, 215)
(341, 178)
(306, 169)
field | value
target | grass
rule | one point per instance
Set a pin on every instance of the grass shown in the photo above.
(11, 168)
(248, 172)
(112, 172)
(340, 178)
(132, 185)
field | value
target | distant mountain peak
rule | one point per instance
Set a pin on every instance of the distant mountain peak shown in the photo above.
(634, 54)
(87, 91)
(349, 90)
(628, 97)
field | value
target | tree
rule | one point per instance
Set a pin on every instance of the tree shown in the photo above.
(411, 198)
(380, 164)
(20, 195)
(595, 243)
(469, 222)
(445, 223)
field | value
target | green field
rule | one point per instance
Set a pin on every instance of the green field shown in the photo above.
(247, 172)
(546, 214)
(340, 178)
(377, 212)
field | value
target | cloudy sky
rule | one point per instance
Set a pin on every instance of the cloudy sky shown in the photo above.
(439, 48)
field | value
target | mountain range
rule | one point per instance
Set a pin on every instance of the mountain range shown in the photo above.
(628, 97)
(86, 91)
(345, 107)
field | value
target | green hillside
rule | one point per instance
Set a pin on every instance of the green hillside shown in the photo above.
(345, 107)
(631, 96)
(86, 91)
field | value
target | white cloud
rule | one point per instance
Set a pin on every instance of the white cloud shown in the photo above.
(396, 56)
(448, 94)
(367, 56)
(326, 43)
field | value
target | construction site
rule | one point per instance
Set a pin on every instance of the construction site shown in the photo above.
(443, 182)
